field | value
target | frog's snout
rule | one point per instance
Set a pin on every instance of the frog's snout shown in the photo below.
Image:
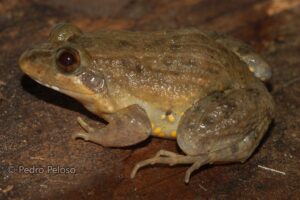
(33, 62)
(24, 62)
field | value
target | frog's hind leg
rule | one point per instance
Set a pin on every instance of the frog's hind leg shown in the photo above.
(170, 158)
(225, 127)
(255, 62)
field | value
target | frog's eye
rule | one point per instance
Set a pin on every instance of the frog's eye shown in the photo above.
(67, 60)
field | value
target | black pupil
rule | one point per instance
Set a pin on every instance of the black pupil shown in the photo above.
(67, 59)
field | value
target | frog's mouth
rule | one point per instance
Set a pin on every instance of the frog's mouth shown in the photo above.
(83, 97)
(92, 101)
(50, 86)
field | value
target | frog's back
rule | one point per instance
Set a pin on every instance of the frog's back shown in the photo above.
(171, 66)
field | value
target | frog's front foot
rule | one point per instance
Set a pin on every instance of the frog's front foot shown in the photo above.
(170, 158)
(126, 127)
(89, 131)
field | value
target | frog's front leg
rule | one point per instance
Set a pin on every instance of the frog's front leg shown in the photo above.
(126, 127)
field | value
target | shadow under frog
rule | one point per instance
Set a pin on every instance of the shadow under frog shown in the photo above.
(53, 97)
(205, 93)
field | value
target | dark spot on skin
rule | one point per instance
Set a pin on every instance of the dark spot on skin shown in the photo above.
(156, 43)
(212, 70)
(169, 112)
(125, 44)
(139, 68)
(216, 95)
(130, 63)
(209, 120)
(174, 47)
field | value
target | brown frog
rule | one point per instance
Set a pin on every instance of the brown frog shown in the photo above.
(192, 86)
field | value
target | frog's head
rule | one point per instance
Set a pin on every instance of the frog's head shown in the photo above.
(67, 67)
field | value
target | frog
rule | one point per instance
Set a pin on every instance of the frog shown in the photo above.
(203, 89)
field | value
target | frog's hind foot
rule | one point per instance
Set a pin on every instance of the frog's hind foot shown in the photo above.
(170, 158)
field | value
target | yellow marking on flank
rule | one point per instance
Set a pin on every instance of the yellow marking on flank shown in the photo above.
(161, 134)
(171, 118)
(173, 134)
(163, 117)
(152, 125)
(181, 113)
(251, 69)
(157, 130)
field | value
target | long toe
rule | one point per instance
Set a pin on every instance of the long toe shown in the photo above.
(81, 135)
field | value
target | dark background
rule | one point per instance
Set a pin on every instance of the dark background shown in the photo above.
(36, 123)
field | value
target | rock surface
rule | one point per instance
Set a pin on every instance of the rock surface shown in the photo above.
(36, 123)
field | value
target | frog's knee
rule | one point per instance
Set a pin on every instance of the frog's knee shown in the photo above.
(255, 62)
(258, 66)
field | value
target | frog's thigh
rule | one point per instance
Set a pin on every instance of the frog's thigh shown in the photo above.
(255, 62)
(225, 126)
(126, 127)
